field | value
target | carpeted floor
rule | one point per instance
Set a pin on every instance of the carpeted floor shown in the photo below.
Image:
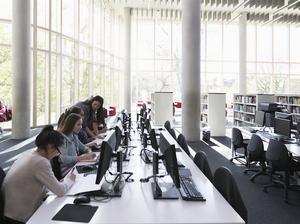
(263, 208)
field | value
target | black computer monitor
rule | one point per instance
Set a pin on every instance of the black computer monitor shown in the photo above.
(259, 119)
(282, 127)
(104, 161)
(153, 140)
(170, 160)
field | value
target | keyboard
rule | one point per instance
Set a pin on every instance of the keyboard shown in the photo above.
(274, 136)
(249, 129)
(189, 191)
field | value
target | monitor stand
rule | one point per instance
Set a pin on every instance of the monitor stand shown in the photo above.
(164, 191)
(108, 190)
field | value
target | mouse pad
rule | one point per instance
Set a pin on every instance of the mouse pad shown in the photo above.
(76, 213)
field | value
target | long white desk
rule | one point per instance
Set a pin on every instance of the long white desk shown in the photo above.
(291, 147)
(138, 206)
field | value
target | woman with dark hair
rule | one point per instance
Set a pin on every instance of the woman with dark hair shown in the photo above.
(90, 107)
(26, 182)
(72, 149)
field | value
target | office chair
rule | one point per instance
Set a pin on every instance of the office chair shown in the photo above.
(167, 125)
(237, 141)
(280, 160)
(172, 133)
(226, 185)
(201, 161)
(55, 164)
(182, 142)
(255, 152)
(2, 176)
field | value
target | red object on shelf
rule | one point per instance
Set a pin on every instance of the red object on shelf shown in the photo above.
(112, 111)
(177, 104)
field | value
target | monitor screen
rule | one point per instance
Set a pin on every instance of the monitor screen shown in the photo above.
(153, 140)
(282, 127)
(170, 159)
(104, 161)
(259, 118)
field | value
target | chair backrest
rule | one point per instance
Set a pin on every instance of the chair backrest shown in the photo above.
(55, 164)
(237, 138)
(2, 176)
(182, 142)
(172, 132)
(201, 161)
(255, 148)
(167, 125)
(277, 155)
(226, 185)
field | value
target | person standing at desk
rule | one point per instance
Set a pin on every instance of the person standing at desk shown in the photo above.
(72, 150)
(90, 106)
(25, 184)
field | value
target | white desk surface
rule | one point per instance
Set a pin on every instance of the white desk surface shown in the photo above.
(291, 147)
(138, 206)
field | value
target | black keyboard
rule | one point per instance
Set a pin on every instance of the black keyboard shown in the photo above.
(249, 129)
(189, 191)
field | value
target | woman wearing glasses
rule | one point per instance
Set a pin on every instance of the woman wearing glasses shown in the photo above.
(26, 182)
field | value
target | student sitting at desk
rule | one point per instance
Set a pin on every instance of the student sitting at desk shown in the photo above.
(72, 149)
(82, 135)
(25, 184)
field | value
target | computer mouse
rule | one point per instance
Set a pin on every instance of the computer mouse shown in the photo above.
(82, 199)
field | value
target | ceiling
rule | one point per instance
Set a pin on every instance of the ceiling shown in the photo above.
(258, 11)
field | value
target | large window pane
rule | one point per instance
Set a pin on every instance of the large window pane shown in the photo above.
(42, 62)
(68, 15)
(281, 43)
(68, 82)
(264, 43)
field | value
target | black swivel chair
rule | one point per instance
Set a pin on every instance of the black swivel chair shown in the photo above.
(201, 161)
(237, 141)
(280, 160)
(256, 153)
(226, 185)
(2, 176)
(172, 133)
(182, 142)
(167, 125)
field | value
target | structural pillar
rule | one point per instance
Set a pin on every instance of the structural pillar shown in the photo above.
(127, 60)
(243, 53)
(21, 69)
(191, 69)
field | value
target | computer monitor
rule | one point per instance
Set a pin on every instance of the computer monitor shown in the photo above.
(170, 160)
(282, 127)
(259, 119)
(104, 161)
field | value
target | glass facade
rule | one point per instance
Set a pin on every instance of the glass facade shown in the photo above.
(71, 40)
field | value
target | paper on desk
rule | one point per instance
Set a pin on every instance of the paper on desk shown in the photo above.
(84, 183)
(98, 142)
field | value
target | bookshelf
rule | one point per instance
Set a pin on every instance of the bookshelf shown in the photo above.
(213, 113)
(291, 102)
(244, 107)
(161, 107)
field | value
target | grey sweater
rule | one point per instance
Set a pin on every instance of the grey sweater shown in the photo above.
(71, 148)
(25, 186)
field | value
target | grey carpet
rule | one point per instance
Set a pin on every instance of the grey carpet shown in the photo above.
(263, 208)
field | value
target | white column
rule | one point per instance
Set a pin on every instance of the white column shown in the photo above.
(191, 69)
(243, 53)
(127, 60)
(21, 69)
